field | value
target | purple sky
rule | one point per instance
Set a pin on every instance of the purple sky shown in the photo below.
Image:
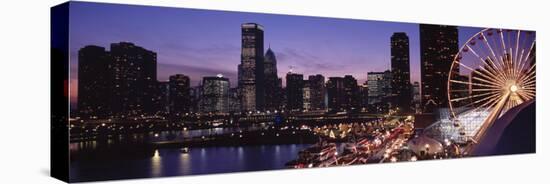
(201, 43)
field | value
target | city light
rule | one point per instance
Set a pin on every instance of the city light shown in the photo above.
(322, 119)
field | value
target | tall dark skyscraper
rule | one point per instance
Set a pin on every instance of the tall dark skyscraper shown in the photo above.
(438, 46)
(400, 69)
(179, 94)
(163, 97)
(215, 94)
(134, 72)
(93, 82)
(364, 95)
(294, 91)
(251, 69)
(318, 90)
(336, 93)
(272, 87)
(351, 92)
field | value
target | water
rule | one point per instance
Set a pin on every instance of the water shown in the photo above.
(171, 162)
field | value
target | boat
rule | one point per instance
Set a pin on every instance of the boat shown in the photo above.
(184, 150)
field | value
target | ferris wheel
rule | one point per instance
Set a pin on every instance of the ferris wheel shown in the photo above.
(492, 72)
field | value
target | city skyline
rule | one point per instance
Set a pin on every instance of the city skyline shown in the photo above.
(156, 91)
(307, 49)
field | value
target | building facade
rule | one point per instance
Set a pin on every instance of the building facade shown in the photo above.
(93, 82)
(272, 85)
(379, 90)
(251, 69)
(215, 95)
(438, 47)
(317, 92)
(400, 69)
(351, 93)
(294, 91)
(179, 94)
(335, 93)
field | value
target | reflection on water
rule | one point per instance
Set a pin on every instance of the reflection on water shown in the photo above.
(156, 164)
(173, 162)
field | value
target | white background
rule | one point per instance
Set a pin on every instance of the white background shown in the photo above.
(24, 92)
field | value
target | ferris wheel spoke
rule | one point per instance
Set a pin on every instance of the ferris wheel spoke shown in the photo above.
(519, 60)
(482, 80)
(493, 77)
(505, 55)
(495, 70)
(502, 51)
(517, 46)
(476, 84)
(473, 90)
(529, 95)
(526, 96)
(529, 52)
(531, 83)
(520, 64)
(473, 96)
(510, 65)
(489, 100)
(477, 55)
(528, 74)
(527, 60)
(528, 80)
(486, 41)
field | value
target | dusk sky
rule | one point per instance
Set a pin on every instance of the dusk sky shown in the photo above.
(201, 43)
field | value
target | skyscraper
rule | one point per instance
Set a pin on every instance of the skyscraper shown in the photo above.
(417, 97)
(400, 69)
(351, 92)
(93, 82)
(179, 94)
(364, 95)
(215, 94)
(336, 93)
(251, 69)
(317, 86)
(306, 96)
(234, 100)
(294, 91)
(272, 87)
(379, 86)
(163, 97)
(134, 72)
(438, 46)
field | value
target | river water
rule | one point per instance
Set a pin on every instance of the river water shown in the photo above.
(172, 162)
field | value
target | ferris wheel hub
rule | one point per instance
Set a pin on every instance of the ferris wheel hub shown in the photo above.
(513, 88)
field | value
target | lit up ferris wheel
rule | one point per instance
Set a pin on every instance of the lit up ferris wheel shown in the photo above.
(493, 72)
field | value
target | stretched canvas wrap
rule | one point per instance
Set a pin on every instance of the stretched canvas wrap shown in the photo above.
(144, 91)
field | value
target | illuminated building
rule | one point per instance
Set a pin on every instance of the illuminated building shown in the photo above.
(215, 94)
(438, 46)
(400, 69)
(251, 68)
